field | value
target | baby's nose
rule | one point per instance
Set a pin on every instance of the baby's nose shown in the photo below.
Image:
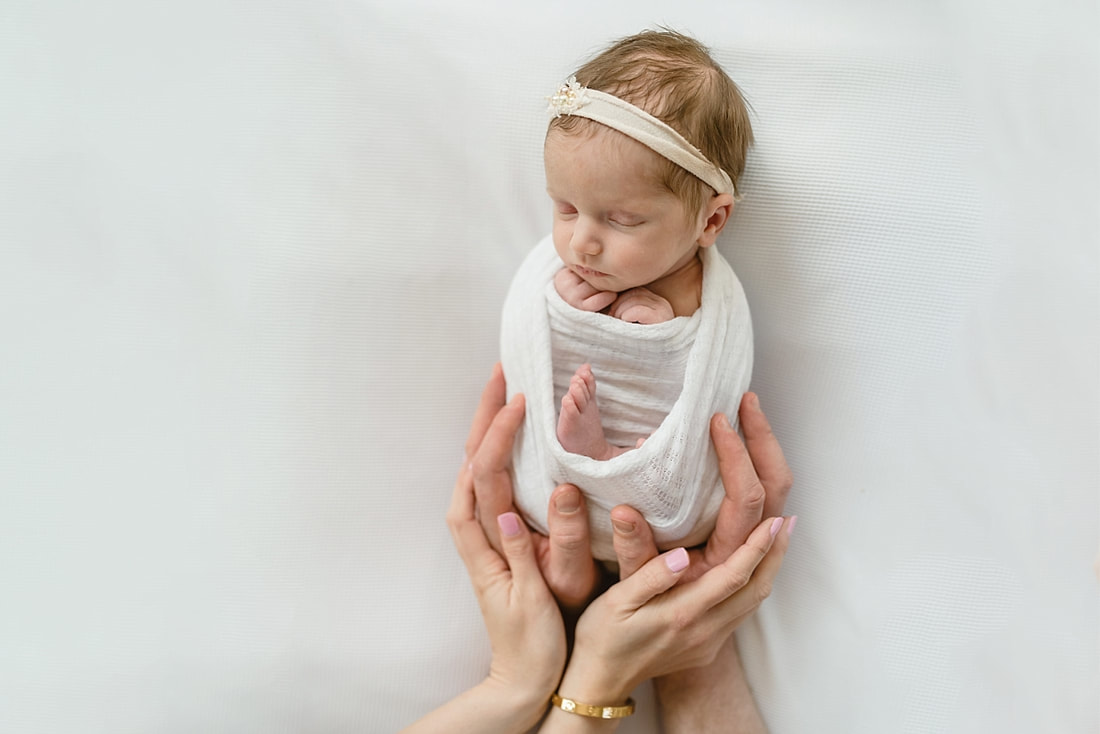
(585, 240)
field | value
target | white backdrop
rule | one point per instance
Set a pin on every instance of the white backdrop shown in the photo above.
(252, 257)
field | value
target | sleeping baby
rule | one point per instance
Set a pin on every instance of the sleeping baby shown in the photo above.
(629, 297)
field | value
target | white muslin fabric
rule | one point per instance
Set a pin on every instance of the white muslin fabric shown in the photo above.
(658, 381)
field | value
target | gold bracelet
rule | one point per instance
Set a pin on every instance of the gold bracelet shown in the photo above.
(596, 712)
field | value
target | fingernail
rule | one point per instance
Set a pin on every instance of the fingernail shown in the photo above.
(509, 524)
(567, 502)
(756, 401)
(676, 560)
(776, 524)
(790, 525)
(624, 527)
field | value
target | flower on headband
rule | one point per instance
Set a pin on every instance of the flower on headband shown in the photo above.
(569, 98)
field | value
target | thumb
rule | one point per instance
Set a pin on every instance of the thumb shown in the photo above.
(655, 577)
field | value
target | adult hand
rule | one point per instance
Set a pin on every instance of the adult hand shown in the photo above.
(647, 626)
(565, 557)
(525, 628)
(756, 480)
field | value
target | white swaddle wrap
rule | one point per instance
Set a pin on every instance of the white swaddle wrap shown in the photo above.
(659, 381)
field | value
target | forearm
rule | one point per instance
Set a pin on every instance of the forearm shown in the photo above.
(715, 697)
(484, 708)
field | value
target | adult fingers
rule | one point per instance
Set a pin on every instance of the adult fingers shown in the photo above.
(743, 504)
(766, 455)
(727, 579)
(657, 576)
(492, 483)
(632, 538)
(570, 569)
(520, 552)
(481, 561)
(742, 604)
(492, 400)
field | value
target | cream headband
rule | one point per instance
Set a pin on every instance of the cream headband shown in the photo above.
(573, 99)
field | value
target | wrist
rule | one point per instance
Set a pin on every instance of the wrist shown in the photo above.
(514, 703)
(590, 684)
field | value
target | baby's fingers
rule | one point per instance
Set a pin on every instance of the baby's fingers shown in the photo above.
(598, 301)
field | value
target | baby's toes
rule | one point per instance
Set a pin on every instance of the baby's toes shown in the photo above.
(578, 391)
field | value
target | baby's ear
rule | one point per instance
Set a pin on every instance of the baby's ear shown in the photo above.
(717, 212)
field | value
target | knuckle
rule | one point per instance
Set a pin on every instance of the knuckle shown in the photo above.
(762, 591)
(652, 578)
(517, 546)
(479, 467)
(736, 581)
(570, 543)
(682, 623)
(755, 495)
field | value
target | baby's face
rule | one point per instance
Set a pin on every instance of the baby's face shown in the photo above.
(614, 224)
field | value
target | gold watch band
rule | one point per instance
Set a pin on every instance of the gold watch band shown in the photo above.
(595, 712)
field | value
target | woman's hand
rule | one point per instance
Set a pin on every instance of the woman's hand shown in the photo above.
(647, 626)
(525, 627)
(565, 557)
(757, 481)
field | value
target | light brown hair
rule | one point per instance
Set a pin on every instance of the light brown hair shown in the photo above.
(673, 77)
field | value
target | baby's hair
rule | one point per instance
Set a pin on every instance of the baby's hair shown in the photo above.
(673, 77)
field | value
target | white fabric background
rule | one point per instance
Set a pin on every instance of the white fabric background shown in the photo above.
(251, 261)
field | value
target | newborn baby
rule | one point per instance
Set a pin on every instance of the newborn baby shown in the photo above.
(629, 288)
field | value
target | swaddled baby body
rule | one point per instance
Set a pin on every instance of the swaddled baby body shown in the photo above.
(626, 317)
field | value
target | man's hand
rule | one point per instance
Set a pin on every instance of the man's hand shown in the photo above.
(756, 479)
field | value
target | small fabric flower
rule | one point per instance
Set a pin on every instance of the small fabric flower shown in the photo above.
(569, 98)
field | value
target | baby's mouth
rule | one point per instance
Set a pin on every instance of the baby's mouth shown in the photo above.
(588, 272)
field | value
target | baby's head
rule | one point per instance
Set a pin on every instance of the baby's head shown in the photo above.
(591, 157)
(673, 78)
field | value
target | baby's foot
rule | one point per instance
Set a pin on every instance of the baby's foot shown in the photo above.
(579, 427)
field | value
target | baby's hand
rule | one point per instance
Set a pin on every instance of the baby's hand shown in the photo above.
(579, 294)
(641, 306)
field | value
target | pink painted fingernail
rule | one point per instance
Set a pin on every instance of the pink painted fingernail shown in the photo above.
(776, 524)
(790, 525)
(509, 524)
(676, 560)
